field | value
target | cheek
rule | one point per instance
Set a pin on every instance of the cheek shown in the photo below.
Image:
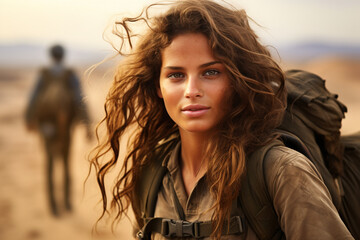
(169, 92)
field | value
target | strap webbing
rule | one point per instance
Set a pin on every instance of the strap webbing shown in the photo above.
(178, 228)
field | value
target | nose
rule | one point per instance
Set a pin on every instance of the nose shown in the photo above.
(193, 87)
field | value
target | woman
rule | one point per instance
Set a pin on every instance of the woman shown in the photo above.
(200, 79)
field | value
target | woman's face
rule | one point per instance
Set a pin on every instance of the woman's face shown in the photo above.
(194, 85)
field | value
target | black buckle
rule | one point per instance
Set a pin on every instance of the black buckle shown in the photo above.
(240, 224)
(178, 228)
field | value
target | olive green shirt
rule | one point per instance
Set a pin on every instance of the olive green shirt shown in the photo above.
(300, 198)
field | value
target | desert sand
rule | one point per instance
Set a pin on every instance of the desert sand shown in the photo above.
(24, 213)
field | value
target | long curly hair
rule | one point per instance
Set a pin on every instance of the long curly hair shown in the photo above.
(132, 104)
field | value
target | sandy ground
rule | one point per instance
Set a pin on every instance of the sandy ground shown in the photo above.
(24, 212)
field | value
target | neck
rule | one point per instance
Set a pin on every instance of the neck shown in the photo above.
(192, 153)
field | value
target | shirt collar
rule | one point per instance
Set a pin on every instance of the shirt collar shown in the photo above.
(171, 162)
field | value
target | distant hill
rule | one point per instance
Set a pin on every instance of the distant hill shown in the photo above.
(312, 50)
(36, 55)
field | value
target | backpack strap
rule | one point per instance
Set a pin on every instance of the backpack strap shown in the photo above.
(292, 141)
(255, 199)
(254, 195)
(146, 189)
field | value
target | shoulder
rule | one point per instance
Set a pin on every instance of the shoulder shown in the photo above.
(276, 159)
(43, 75)
(69, 71)
(289, 173)
(70, 75)
(285, 166)
(280, 157)
(300, 198)
(44, 70)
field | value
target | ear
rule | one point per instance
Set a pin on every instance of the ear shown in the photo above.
(159, 93)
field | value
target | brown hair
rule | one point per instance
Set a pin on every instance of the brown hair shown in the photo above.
(258, 100)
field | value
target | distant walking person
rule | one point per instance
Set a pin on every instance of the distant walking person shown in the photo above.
(55, 105)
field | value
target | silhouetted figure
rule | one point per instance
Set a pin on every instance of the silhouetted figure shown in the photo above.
(55, 105)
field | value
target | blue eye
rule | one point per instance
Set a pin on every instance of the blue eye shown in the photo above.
(211, 72)
(176, 75)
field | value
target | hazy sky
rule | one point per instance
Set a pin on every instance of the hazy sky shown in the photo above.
(81, 22)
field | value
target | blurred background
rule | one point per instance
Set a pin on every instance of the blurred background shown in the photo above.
(322, 36)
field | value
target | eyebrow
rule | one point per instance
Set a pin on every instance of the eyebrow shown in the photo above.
(201, 66)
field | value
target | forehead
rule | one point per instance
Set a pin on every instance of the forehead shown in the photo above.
(186, 47)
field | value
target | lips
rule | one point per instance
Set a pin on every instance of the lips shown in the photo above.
(195, 110)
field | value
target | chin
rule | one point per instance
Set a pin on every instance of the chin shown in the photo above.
(198, 128)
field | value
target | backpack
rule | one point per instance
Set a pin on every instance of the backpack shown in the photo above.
(55, 99)
(313, 114)
(351, 183)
